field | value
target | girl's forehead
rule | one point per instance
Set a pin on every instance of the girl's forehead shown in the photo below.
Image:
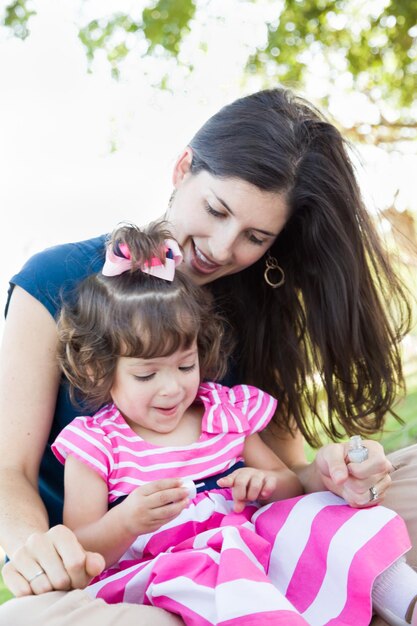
(131, 362)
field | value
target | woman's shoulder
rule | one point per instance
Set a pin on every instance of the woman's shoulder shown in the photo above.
(68, 258)
(50, 274)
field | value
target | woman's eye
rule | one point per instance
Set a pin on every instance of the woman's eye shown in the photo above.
(213, 212)
(187, 368)
(255, 240)
(145, 378)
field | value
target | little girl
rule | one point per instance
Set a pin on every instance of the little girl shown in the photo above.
(167, 477)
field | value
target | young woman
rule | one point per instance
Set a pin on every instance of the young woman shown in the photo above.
(268, 212)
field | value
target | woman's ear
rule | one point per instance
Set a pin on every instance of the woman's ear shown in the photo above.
(182, 166)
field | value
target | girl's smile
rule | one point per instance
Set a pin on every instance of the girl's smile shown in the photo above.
(154, 394)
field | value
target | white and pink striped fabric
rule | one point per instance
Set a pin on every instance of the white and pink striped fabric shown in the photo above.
(307, 560)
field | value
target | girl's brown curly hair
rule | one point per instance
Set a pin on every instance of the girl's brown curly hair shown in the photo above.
(135, 315)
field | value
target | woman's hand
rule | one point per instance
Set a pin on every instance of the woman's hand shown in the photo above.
(353, 481)
(54, 560)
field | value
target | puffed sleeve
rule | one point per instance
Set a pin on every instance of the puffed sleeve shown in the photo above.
(86, 440)
(241, 409)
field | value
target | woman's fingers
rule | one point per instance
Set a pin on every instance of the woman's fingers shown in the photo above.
(331, 462)
(75, 563)
(364, 493)
(376, 463)
(54, 560)
(353, 481)
(14, 581)
(94, 564)
(44, 548)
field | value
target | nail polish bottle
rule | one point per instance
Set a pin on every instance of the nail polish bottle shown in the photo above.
(357, 451)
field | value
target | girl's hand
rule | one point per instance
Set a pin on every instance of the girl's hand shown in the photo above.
(353, 481)
(152, 505)
(58, 558)
(249, 484)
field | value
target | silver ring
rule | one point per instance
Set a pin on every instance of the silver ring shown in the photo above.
(374, 494)
(39, 573)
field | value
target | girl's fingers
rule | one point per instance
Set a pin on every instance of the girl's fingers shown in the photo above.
(159, 486)
(239, 490)
(228, 481)
(269, 486)
(167, 497)
(169, 511)
(254, 487)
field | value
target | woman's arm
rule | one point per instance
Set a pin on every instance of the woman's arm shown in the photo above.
(111, 532)
(331, 469)
(29, 380)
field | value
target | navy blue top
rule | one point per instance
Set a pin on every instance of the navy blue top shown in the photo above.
(50, 276)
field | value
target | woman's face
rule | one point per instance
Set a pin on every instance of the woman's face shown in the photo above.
(222, 224)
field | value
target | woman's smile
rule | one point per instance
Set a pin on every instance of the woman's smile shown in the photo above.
(200, 262)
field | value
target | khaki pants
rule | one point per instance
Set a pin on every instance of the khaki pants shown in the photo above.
(77, 608)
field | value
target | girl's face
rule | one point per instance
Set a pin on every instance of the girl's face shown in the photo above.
(222, 224)
(153, 394)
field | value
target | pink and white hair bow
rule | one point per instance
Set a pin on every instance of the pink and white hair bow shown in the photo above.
(115, 265)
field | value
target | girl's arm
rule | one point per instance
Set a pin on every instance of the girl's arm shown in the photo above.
(111, 532)
(29, 380)
(266, 478)
(330, 469)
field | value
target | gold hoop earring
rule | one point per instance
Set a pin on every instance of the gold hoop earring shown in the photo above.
(272, 264)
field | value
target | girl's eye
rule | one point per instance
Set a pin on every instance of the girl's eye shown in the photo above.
(145, 378)
(213, 212)
(187, 368)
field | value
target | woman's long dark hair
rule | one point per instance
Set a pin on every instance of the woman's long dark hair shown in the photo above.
(337, 321)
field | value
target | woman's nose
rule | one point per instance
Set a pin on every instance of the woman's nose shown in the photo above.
(221, 246)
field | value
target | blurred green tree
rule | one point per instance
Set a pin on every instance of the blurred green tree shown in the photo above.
(365, 45)
(368, 46)
(161, 27)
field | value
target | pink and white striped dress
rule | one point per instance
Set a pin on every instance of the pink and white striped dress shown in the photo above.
(306, 560)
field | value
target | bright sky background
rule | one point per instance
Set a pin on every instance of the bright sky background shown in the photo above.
(60, 180)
